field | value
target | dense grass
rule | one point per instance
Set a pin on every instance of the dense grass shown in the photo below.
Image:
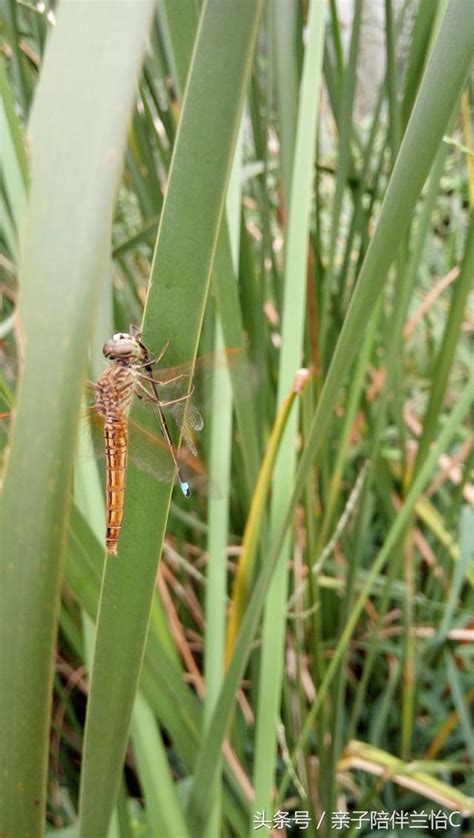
(304, 644)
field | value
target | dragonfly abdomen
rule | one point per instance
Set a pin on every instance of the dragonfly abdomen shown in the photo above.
(116, 449)
(114, 395)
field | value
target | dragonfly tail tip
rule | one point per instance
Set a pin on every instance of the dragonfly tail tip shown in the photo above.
(185, 489)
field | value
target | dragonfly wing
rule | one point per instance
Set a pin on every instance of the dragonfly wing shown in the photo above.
(91, 435)
(188, 419)
(147, 449)
(172, 400)
(149, 453)
(193, 418)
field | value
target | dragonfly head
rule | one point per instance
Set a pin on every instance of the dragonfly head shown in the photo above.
(124, 347)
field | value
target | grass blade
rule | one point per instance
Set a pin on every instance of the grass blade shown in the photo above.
(413, 164)
(177, 295)
(399, 524)
(271, 672)
(163, 805)
(64, 252)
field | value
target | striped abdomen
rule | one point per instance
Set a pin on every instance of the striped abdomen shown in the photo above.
(116, 449)
(114, 395)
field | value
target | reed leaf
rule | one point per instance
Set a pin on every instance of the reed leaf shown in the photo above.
(64, 253)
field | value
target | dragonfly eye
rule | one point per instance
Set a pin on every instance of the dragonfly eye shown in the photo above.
(122, 347)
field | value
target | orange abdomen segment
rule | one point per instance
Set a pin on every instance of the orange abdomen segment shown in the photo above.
(116, 446)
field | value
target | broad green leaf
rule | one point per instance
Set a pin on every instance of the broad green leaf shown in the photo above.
(181, 273)
(88, 81)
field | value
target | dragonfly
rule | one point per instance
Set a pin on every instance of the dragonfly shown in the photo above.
(107, 428)
(130, 372)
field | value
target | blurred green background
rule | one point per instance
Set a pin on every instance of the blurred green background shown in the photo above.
(295, 181)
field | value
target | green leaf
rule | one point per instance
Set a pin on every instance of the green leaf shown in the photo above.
(182, 266)
(164, 809)
(14, 162)
(273, 632)
(85, 81)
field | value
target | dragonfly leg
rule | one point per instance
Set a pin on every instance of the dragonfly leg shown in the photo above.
(171, 380)
(152, 397)
(150, 362)
(168, 380)
(180, 399)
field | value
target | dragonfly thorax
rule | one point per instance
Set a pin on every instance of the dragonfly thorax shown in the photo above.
(125, 349)
(114, 391)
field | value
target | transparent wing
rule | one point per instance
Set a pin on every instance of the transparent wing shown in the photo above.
(198, 371)
(188, 419)
(180, 389)
(147, 448)
(149, 453)
(174, 382)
